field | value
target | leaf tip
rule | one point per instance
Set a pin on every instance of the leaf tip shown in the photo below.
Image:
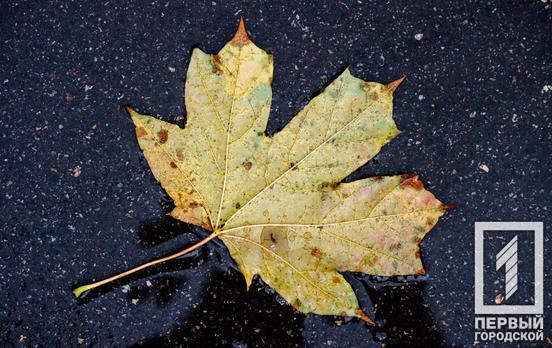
(129, 109)
(447, 207)
(133, 114)
(392, 86)
(360, 314)
(241, 38)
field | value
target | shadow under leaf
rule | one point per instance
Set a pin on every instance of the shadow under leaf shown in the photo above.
(229, 315)
(165, 228)
(402, 316)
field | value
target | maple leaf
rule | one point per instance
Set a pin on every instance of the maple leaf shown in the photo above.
(278, 203)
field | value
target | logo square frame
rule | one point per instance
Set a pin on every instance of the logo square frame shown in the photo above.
(537, 229)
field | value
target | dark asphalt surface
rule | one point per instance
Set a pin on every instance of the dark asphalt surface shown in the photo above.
(79, 202)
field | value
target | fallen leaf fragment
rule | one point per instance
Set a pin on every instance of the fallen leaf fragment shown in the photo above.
(278, 203)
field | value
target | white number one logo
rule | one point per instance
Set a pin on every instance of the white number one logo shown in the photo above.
(508, 257)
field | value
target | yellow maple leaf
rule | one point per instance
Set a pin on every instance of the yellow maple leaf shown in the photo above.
(278, 203)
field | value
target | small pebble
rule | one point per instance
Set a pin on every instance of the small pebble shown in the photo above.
(76, 172)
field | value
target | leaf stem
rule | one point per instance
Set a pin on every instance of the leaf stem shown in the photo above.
(83, 288)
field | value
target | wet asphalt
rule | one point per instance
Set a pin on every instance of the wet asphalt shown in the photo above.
(78, 201)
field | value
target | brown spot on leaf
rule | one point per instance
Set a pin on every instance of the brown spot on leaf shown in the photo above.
(395, 246)
(316, 252)
(193, 205)
(217, 64)
(141, 132)
(296, 304)
(180, 154)
(374, 96)
(173, 165)
(273, 238)
(377, 178)
(417, 254)
(414, 183)
(323, 185)
(336, 280)
(163, 135)
(248, 165)
(421, 271)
